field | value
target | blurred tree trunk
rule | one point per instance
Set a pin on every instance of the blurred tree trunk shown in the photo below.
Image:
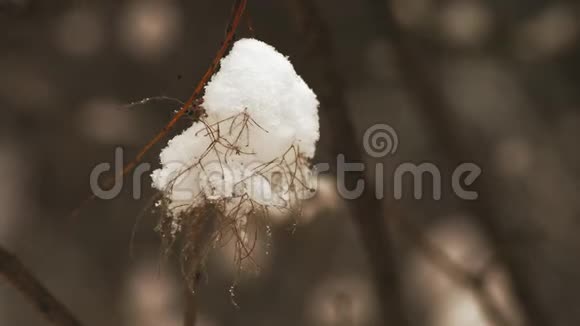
(367, 211)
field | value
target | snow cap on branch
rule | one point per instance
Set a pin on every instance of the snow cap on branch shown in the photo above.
(254, 145)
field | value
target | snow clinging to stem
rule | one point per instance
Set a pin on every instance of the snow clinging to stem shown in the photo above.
(253, 147)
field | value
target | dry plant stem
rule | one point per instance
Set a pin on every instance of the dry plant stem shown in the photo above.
(234, 21)
(237, 13)
(199, 238)
(367, 211)
(14, 272)
(441, 121)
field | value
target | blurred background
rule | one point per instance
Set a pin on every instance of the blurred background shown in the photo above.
(492, 82)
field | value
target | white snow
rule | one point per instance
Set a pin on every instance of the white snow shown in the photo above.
(254, 145)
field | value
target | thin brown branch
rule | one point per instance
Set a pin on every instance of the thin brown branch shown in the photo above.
(442, 121)
(233, 23)
(16, 274)
(235, 19)
(367, 211)
(203, 226)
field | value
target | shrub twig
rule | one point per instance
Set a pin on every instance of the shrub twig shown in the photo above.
(233, 23)
(15, 273)
(237, 13)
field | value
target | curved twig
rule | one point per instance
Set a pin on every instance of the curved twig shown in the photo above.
(234, 22)
(237, 13)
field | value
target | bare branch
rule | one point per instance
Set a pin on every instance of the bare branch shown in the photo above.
(233, 23)
(16, 274)
(235, 19)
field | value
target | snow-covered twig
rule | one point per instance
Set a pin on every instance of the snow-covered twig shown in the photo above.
(235, 19)
(237, 12)
(233, 23)
(248, 153)
(15, 273)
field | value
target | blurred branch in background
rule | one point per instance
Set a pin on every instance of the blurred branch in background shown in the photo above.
(312, 23)
(367, 211)
(494, 83)
(14, 272)
(473, 281)
(19, 8)
(442, 123)
(190, 317)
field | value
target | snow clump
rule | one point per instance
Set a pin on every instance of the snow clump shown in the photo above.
(252, 148)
